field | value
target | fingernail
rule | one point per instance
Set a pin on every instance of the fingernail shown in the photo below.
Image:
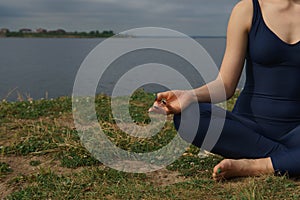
(219, 171)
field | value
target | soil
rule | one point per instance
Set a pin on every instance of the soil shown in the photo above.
(21, 167)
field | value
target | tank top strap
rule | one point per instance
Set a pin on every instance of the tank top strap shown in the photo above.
(256, 12)
(256, 20)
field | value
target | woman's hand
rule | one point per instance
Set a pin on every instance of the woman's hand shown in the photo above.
(173, 102)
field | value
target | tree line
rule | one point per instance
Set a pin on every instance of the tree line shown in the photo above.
(55, 33)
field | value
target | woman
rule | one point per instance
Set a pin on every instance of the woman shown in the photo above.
(262, 134)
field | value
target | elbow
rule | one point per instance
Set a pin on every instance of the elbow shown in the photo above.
(229, 92)
(229, 95)
(229, 87)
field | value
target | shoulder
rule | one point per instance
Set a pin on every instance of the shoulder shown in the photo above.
(242, 13)
(244, 5)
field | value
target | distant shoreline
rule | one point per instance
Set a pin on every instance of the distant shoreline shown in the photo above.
(94, 37)
(59, 33)
(84, 35)
(37, 35)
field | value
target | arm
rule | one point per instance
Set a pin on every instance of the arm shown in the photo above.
(230, 71)
(236, 46)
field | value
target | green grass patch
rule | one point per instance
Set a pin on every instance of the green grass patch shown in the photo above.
(35, 109)
(39, 137)
(35, 163)
(4, 169)
(193, 166)
(105, 183)
(76, 157)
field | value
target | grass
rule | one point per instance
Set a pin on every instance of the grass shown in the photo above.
(4, 169)
(41, 157)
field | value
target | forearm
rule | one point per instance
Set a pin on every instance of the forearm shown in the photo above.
(213, 92)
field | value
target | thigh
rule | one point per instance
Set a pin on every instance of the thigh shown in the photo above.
(292, 138)
(287, 160)
(240, 137)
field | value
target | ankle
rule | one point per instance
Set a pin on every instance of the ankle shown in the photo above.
(264, 165)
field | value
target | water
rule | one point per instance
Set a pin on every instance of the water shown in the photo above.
(46, 68)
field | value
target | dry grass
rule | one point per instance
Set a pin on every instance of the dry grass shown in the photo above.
(42, 158)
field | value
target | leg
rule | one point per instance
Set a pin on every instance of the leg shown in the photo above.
(240, 138)
(287, 161)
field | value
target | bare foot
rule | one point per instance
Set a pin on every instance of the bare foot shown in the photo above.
(229, 168)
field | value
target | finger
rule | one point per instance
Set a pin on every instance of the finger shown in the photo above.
(171, 109)
(162, 95)
(151, 109)
(156, 108)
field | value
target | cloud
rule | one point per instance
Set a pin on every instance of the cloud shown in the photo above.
(190, 16)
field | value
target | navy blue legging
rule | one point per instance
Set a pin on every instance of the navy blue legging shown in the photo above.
(242, 137)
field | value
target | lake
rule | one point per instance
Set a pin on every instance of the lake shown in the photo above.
(47, 67)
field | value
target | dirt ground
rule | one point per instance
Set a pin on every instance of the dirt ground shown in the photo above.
(21, 167)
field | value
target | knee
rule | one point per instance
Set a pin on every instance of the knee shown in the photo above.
(188, 124)
(186, 115)
(192, 113)
(176, 120)
(179, 126)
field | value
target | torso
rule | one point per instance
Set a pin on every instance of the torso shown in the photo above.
(283, 18)
(272, 89)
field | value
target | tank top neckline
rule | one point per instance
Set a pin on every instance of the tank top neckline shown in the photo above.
(271, 31)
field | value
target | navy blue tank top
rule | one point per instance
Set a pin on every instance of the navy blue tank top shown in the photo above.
(272, 88)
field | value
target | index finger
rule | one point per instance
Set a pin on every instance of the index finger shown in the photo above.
(162, 95)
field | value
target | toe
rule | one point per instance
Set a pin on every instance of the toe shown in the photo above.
(219, 168)
(219, 177)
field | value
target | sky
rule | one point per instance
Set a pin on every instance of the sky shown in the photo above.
(192, 17)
